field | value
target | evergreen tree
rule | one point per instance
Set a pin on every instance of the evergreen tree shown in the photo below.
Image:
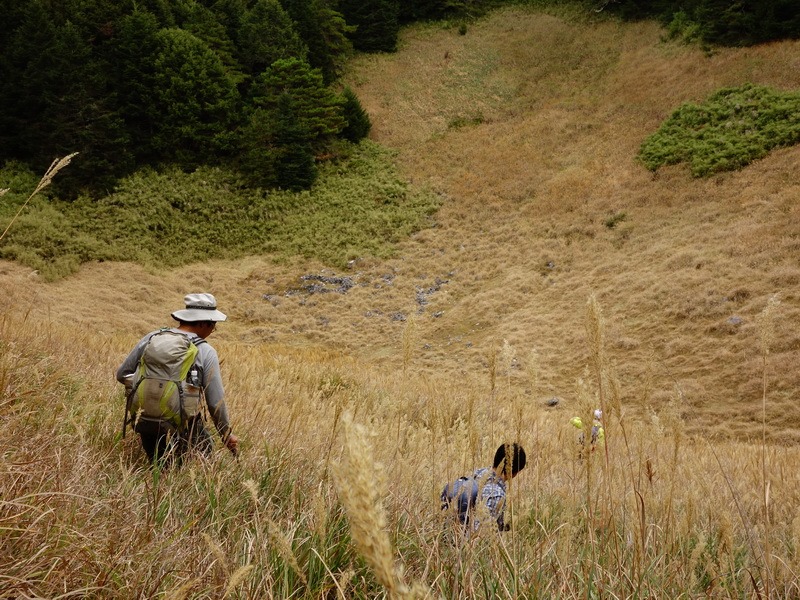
(419, 10)
(195, 100)
(324, 32)
(276, 148)
(294, 161)
(317, 107)
(79, 115)
(26, 69)
(162, 9)
(230, 13)
(57, 99)
(257, 149)
(727, 22)
(96, 20)
(376, 23)
(358, 123)
(747, 22)
(268, 34)
(134, 52)
(204, 24)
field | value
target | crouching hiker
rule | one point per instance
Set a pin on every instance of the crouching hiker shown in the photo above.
(484, 491)
(597, 434)
(168, 376)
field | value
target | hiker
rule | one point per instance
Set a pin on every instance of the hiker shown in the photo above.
(598, 434)
(168, 375)
(488, 484)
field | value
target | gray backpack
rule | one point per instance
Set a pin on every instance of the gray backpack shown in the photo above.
(463, 494)
(166, 386)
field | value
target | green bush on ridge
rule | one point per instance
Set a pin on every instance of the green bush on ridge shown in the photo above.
(731, 129)
(358, 207)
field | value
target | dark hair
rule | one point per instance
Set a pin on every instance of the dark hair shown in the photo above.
(193, 323)
(517, 458)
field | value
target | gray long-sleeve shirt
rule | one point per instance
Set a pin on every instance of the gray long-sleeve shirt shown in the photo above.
(211, 382)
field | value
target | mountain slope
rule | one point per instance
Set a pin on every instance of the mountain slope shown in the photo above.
(528, 127)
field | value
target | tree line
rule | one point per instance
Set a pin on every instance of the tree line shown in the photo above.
(252, 84)
(130, 84)
(718, 22)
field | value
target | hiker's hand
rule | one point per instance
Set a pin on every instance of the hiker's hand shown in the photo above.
(232, 443)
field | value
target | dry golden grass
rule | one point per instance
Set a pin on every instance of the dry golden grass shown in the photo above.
(654, 511)
(685, 498)
(521, 239)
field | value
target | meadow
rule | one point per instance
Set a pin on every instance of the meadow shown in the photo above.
(557, 267)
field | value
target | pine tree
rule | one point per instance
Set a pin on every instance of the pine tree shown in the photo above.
(358, 123)
(134, 52)
(230, 14)
(747, 22)
(417, 10)
(205, 25)
(80, 116)
(324, 31)
(26, 69)
(294, 161)
(268, 34)
(276, 148)
(317, 107)
(376, 23)
(195, 99)
(257, 153)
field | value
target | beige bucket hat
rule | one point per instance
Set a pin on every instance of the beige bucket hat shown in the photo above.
(199, 307)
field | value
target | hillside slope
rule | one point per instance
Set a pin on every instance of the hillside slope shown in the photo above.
(528, 126)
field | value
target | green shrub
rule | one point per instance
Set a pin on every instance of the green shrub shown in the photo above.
(734, 127)
(357, 208)
(613, 220)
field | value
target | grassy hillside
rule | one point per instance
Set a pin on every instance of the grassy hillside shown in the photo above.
(536, 184)
(360, 205)
(528, 127)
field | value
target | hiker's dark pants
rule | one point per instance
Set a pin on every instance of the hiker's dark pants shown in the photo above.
(160, 446)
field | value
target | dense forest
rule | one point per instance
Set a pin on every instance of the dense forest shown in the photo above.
(250, 84)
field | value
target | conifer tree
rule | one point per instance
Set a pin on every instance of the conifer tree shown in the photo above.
(324, 31)
(317, 107)
(294, 161)
(79, 115)
(134, 52)
(376, 23)
(747, 22)
(230, 14)
(27, 74)
(268, 34)
(205, 25)
(416, 10)
(358, 123)
(195, 100)
(276, 147)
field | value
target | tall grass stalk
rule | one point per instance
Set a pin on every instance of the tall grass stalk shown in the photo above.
(410, 338)
(359, 486)
(492, 360)
(766, 330)
(47, 179)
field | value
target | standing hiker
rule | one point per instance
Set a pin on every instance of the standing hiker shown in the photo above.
(489, 484)
(596, 436)
(168, 375)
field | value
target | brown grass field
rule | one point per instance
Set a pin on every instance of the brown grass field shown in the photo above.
(682, 321)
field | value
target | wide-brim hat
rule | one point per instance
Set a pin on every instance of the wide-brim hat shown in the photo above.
(199, 307)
